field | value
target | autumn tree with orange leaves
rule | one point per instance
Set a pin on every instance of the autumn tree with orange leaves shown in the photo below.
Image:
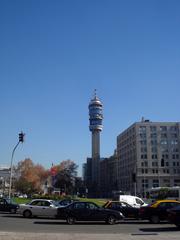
(31, 177)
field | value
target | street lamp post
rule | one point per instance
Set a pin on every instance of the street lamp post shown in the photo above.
(21, 139)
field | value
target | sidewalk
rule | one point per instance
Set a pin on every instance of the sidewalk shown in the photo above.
(64, 236)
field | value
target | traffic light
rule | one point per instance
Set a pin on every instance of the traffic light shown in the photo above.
(21, 137)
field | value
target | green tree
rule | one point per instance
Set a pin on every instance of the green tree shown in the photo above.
(162, 193)
(65, 177)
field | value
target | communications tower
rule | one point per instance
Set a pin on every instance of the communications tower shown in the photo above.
(95, 126)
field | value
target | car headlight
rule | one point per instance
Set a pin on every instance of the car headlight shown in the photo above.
(121, 214)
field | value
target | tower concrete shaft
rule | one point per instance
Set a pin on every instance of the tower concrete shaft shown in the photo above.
(95, 126)
(95, 156)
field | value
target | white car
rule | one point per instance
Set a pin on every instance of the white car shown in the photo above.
(39, 207)
(133, 201)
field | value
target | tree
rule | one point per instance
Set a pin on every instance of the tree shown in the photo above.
(30, 177)
(162, 193)
(66, 174)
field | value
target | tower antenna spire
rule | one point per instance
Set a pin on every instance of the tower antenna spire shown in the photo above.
(95, 93)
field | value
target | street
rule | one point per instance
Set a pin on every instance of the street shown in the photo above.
(16, 223)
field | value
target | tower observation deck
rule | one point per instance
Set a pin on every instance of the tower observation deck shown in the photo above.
(95, 126)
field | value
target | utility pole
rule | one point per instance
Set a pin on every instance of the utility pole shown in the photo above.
(21, 139)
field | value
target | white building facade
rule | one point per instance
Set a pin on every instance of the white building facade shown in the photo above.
(148, 155)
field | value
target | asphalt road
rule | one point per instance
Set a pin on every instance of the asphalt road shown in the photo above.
(16, 223)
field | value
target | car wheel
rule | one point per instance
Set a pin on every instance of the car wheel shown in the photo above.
(27, 214)
(154, 219)
(177, 224)
(70, 220)
(111, 220)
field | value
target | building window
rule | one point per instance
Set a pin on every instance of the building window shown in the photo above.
(154, 156)
(164, 149)
(154, 150)
(155, 183)
(175, 150)
(154, 164)
(142, 135)
(164, 142)
(142, 129)
(143, 142)
(163, 128)
(145, 183)
(174, 135)
(174, 142)
(153, 142)
(163, 135)
(153, 135)
(144, 149)
(153, 128)
(165, 156)
(173, 128)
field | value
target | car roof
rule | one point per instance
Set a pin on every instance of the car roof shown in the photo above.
(116, 202)
(165, 200)
(41, 199)
(84, 202)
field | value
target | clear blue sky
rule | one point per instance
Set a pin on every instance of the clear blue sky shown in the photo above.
(54, 53)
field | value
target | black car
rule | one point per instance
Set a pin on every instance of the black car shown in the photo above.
(87, 211)
(174, 216)
(127, 210)
(6, 205)
(157, 211)
(65, 202)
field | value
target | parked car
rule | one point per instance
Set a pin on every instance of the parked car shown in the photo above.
(88, 211)
(132, 200)
(22, 196)
(66, 202)
(174, 216)
(7, 205)
(39, 207)
(157, 211)
(127, 210)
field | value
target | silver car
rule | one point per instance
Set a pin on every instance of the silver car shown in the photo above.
(39, 207)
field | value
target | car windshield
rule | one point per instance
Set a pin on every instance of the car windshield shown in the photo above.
(55, 203)
(9, 200)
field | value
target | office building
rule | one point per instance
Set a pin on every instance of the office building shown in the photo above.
(148, 155)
